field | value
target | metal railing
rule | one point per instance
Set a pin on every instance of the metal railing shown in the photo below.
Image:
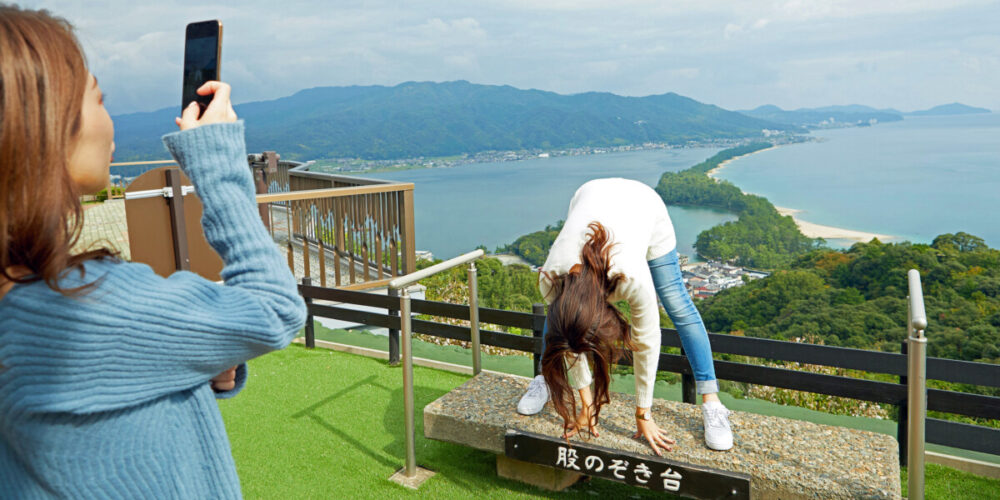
(362, 227)
(115, 189)
(961, 435)
(402, 284)
(916, 322)
(365, 226)
(365, 231)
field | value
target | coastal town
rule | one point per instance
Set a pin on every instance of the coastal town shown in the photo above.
(357, 165)
(702, 279)
(706, 279)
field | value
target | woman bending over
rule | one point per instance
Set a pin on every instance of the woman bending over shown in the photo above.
(618, 244)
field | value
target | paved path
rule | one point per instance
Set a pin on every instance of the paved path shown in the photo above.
(104, 224)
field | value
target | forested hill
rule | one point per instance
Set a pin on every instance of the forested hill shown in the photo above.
(760, 238)
(440, 119)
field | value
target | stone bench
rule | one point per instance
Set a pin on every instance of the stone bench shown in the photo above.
(783, 458)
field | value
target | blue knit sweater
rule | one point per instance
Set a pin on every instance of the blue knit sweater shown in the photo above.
(107, 394)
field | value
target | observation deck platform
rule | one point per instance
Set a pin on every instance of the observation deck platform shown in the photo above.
(782, 458)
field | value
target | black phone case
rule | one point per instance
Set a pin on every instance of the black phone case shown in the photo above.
(209, 34)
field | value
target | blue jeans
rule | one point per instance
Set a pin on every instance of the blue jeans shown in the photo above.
(670, 289)
(669, 285)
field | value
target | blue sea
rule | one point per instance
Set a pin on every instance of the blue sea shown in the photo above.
(492, 204)
(913, 179)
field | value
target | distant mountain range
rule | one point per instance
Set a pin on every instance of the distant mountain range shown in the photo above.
(831, 116)
(439, 119)
(850, 115)
(954, 108)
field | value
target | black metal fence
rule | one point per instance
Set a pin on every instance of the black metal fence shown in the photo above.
(942, 432)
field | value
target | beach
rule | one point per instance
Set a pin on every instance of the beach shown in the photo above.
(712, 173)
(813, 230)
(809, 229)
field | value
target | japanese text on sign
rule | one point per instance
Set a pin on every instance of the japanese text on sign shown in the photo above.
(567, 458)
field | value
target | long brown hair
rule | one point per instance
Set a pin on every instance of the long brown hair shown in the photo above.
(581, 321)
(43, 76)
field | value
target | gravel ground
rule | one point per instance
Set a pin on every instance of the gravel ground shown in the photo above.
(785, 458)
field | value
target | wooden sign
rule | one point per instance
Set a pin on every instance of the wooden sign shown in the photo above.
(645, 471)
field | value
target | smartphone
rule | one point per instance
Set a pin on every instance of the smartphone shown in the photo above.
(202, 51)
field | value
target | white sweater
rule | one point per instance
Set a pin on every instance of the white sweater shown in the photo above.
(640, 229)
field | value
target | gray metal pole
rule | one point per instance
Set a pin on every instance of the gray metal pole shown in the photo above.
(402, 283)
(474, 318)
(407, 341)
(916, 322)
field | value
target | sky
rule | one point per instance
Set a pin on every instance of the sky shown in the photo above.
(904, 54)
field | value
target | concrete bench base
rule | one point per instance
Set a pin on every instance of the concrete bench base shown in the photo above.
(787, 459)
(547, 478)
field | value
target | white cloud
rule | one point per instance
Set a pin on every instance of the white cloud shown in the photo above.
(687, 73)
(465, 28)
(731, 30)
(900, 53)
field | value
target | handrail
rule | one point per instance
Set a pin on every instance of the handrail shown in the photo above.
(132, 163)
(918, 318)
(916, 323)
(416, 276)
(311, 194)
(402, 284)
(890, 363)
(942, 432)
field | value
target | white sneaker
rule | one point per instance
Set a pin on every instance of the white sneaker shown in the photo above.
(718, 435)
(534, 400)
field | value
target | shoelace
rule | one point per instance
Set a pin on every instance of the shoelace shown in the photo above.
(535, 389)
(717, 417)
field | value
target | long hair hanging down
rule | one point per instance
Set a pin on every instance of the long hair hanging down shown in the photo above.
(581, 321)
(43, 76)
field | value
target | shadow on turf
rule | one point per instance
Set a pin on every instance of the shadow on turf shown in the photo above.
(437, 456)
(310, 413)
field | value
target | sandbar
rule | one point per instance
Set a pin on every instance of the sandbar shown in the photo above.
(810, 229)
(718, 168)
(813, 230)
(509, 258)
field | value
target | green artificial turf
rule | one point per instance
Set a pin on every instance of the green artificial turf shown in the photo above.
(324, 424)
(947, 483)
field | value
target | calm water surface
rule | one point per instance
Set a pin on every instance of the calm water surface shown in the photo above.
(915, 179)
(494, 203)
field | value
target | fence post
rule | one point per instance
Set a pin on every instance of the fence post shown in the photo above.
(916, 323)
(393, 333)
(477, 365)
(537, 331)
(322, 263)
(310, 330)
(901, 421)
(406, 232)
(410, 469)
(182, 260)
(306, 266)
(689, 391)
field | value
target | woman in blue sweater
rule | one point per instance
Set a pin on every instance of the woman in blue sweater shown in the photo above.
(106, 369)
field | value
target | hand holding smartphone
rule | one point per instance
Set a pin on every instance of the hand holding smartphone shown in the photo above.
(202, 61)
(219, 110)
